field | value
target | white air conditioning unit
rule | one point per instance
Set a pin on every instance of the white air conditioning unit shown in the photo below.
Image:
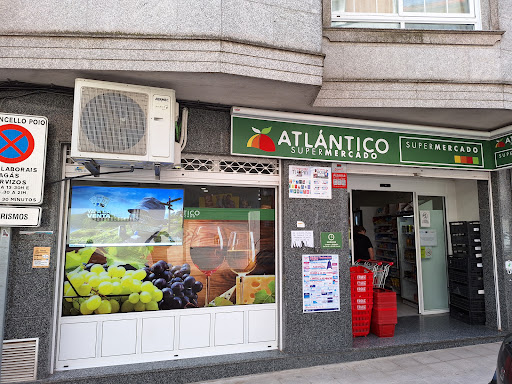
(118, 125)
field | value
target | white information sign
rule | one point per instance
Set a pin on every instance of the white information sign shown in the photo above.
(310, 182)
(22, 158)
(425, 219)
(320, 286)
(428, 237)
(302, 239)
(20, 216)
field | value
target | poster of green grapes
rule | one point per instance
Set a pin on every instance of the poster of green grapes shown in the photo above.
(134, 249)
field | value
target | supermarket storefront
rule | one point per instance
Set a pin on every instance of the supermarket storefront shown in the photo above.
(208, 261)
(190, 266)
(392, 175)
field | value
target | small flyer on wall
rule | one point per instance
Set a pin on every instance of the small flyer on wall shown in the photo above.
(320, 285)
(339, 175)
(310, 182)
(302, 239)
(41, 257)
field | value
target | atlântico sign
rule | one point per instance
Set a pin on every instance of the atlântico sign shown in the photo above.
(254, 136)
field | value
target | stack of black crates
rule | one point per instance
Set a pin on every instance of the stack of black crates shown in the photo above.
(465, 273)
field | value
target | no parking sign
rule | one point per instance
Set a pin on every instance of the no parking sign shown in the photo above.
(22, 159)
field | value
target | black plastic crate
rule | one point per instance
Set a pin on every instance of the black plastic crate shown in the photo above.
(465, 239)
(466, 263)
(476, 305)
(469, 291)
(464, 227)
(467, 250)
(468, 317)
(475, 279)
(458, 227)
(473, 227)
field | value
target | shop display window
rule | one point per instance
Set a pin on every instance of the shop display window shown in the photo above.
(140, 247)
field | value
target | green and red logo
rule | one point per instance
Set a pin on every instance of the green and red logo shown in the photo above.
(500, 144)
(261, 141)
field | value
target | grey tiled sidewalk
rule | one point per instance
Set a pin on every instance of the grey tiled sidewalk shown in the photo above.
(473, 364)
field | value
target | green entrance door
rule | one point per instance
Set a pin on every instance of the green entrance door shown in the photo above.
(433, 253)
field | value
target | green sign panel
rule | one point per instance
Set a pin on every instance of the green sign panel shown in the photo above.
(502, 148)
(330, 239)
(228, 214)
(441, 152)
(269, 138)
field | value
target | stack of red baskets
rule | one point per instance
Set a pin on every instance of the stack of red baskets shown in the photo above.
(384, 313)
(361, 287)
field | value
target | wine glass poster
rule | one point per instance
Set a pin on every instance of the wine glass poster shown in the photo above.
(207, 251)
(241, 254)
(125, 216)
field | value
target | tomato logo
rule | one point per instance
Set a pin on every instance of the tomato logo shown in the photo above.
(500, 144)
(261, 141)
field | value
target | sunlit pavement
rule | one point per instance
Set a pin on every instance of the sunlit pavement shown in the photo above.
(465, 365)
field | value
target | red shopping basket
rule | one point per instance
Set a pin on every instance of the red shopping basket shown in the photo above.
(361, 321)
(361, 286)
(361, 282)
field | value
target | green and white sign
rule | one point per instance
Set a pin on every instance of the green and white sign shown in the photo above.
(292, 140)
(330, 239)
(502, 148)
(243, 214)
(440, 152)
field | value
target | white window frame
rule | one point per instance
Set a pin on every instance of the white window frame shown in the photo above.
(214, 177)
(402, 18)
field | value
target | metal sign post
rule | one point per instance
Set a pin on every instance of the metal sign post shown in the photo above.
(22, 163)
(5, 242)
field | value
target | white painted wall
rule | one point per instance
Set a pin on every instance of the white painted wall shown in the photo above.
(467, 200)
(368, 214)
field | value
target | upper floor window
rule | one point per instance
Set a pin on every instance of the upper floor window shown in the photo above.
(406, 14)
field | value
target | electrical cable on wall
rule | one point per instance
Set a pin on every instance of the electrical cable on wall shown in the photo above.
(183, 128)
(32, 89)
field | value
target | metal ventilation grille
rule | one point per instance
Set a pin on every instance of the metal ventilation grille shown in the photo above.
(248, 167)
(113, 121)
(198, 163)
(19, 360)
(228, 164)
(194, 164)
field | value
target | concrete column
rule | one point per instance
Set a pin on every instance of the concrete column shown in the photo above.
(502, 209)
(314, 333)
